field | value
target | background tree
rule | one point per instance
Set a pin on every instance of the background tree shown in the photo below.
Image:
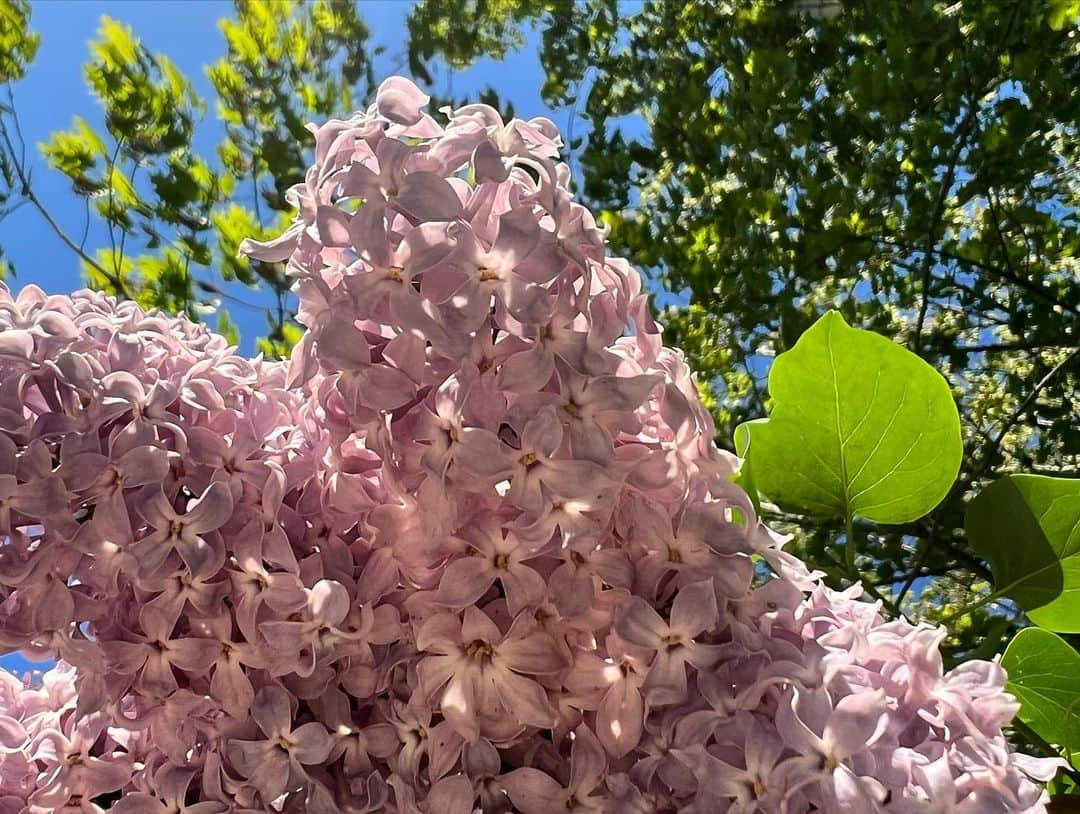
(912, 164)
(174, 218)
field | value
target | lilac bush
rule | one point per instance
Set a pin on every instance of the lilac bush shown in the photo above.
(471, 548)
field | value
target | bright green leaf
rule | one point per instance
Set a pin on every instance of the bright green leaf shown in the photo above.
(1028, 526)
(859, 426)
(1042, 671)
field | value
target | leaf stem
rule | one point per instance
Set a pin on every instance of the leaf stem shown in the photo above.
(849, 545)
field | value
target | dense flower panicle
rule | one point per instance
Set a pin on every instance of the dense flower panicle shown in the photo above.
(472, 547)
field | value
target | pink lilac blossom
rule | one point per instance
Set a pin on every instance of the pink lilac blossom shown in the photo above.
(471, 548)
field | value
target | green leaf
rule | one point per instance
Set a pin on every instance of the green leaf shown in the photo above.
(1028, 527)
(1042, 670)
(859, 426)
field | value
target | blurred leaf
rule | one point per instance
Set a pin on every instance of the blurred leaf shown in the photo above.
(1028, 527)
(18, 44)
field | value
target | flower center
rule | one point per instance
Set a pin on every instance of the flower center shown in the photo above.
(395, 272)
(528, 460)
(478, 650)
(502, 561)
(673, 641)
(488, 274)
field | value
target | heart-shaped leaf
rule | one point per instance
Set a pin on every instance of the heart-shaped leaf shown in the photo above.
(1028, 527)
(859, 426)
(1043, 670)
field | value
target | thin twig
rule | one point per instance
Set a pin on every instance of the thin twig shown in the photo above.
(27, 192)
(963, 131)
(1019, 412)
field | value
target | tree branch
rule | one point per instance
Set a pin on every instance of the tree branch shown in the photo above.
(963, 131)
(28, 193)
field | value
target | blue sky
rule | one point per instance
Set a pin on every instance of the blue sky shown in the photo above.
(54, 92)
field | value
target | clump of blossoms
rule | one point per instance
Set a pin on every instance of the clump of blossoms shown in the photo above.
(472, 548)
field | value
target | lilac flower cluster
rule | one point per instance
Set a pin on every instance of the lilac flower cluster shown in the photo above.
(472, 548)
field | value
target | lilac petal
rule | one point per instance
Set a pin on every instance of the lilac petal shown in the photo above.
(476, 624)
(465, 581)
(333, 226)
(527, 371)
(440, 633)
(342, 346)
(17, 344)
(488, 163)
(212, 510)
(572, 589)
(157, 676)
(523, 586)
(272, 711)
(694, 609)
(588, 763)
(534, 654)
(194, 655)
(480, 453)
(458, 704)
(543, 433)
(528, 303)
(518, 235)
(125, 658)
(385, 388)
(271, 775)
(641, 625)
(329, 602)
(666, 681)
(453, 795)
(532, 791)
(198, 555)
(172, 782)
(524, 700)
(620, 719)
(139, 803)
(311, 743)
(856, 722)
(796, 734)
(277, 250)
(40, 499)
(232, 687)
(400, 101)
(12, 735)
(481, 759)
(613, 566)
(425, 196)
(425, 246)
(142, 465)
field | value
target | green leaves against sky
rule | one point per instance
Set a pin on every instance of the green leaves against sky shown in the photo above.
(858, 427)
